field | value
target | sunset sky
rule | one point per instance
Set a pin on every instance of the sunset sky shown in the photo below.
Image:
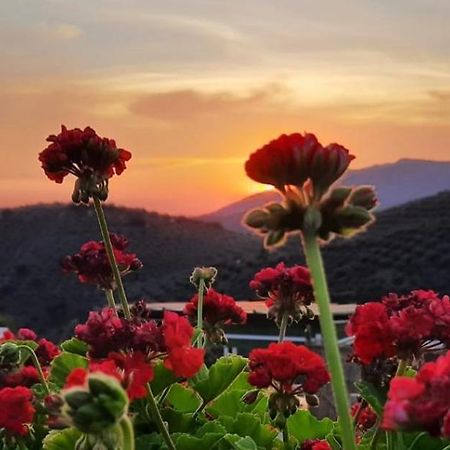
(191, 87)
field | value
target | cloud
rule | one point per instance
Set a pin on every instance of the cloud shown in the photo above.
(440, 95)
(190, 103)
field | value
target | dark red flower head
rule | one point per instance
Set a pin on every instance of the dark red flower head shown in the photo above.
(292, 160)
(403, 326)
(92, 266)
(219, 310)
(289, 368)
(16, 409)
(286, 290)
(421, 403)
(91, 158)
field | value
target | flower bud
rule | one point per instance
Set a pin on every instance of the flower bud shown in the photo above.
(312, 400)
(312, 220)
(364, 196)
(98, 407)
(250, 397)
(207, 274)
(256, 218)
(9, 355)
(353, 219)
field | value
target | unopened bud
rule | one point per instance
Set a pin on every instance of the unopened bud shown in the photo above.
(9, 355)
(353, 219)
(364, 196)
(312, 400)
(312, 220)
(256, 218)
(207, 274)
(250, 397)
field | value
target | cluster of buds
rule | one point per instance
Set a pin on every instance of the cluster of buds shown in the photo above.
(206, 274)
(304, 171)
(93, 160)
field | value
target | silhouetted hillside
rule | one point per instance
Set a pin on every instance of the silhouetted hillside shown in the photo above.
(397, 183)
(408, 248)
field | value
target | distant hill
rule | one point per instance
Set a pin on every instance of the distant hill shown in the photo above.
(396, 184)
(408, 248)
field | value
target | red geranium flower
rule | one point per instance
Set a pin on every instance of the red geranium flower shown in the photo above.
(132, 371)
(92, 159)
(25, 376)
(92, 266)
(292, 160)
(403, 326)
(16, 410)
(421, 403)
(284, 365)
(286, 290)
(366, 416)
(315, 444)
(219, 310)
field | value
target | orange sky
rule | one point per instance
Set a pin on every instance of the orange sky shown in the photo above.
(191, 88)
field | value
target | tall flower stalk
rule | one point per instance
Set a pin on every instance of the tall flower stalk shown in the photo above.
(303, 171)
(111, 257)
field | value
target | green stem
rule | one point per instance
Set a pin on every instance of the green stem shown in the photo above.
(333, 356)
(401, 368)
(112, 259)
(201, 292)
(36, 364)
(127, 432)
(286, 437)
(110, 298)
(158, 419)
(416, 440)
(283, 326)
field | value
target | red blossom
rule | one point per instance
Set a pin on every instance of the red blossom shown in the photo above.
(286, 290)
(132, 371)
(292, 160)
(92, 159)
(421, 403)
(92, 266)
(25, 376)
(315, 444)
(177, 330)
(218, 310)
(46, 351)
(16, 409)
(366, 416)
(283, 365)
(185, 361)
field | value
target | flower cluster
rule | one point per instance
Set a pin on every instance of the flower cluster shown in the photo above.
(364, 416)
(16, 411)
(91, 158)
(219, 310)
(287, 290)
(294, 160)
(107, 333)
(92, 266)
(304, 171)
(403, 326)
(12, 373)
(421, 403)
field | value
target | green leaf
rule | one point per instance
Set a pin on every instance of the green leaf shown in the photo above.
(178, 422)
(423, 441)
(205, 442)
(231, 403)
(183, 399)
(249, 425)
(375, 398)
(220, 377)
(63, 364)
(75, 346)
(241, 443)
(61, 440)
(162, 379)
(152, 441)
(303, 425)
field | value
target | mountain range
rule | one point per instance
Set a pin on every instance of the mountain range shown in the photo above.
(396, 184)
(407, 248)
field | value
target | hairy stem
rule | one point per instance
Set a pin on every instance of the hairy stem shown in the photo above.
(201, 292)
(283, 327)
(333, 356)
(112, 259)
(110, 298)
(36, 364)
(127, 432)
(156, 415)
